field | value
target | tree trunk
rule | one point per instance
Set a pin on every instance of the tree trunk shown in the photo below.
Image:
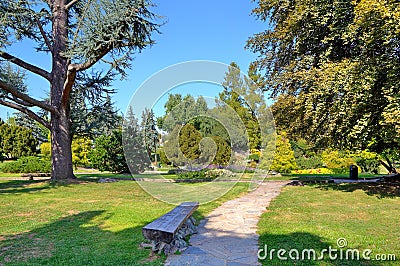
(388, 165)
(60, 123)
(61, 154)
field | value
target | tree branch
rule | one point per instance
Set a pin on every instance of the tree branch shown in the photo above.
(26, 111)
(27, 98)
(67, 6)
(91, 62)
(37, 70)
(46, 40)
(18, 101)
(69, 82)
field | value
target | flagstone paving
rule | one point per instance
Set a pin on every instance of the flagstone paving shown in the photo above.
(228, 235)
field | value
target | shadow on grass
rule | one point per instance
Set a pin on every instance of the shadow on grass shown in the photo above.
(304, 245)
(25, 186)
(380, 190)
(76, 240)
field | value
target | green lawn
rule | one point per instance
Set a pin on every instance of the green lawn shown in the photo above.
(80, 224)
(314, 217)
(319, 176)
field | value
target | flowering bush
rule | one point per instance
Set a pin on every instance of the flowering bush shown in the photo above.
(323, 171)
(215, 173)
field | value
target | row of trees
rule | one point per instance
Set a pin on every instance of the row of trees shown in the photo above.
(332, 68)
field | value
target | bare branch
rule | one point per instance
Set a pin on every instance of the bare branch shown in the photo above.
(37, 70)
(27, 98)
(26, 111)
(46, 40)
(70, 4)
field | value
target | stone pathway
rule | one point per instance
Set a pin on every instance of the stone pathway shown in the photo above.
(227, 236)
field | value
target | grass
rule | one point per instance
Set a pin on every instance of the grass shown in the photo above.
(319, 176)
(314, 217)
(87, 223)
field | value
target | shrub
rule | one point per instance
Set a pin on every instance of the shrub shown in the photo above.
(254, 157)
(309, 162)
(108, 154)
(223, 154)
(215, 173)
(284, 160)
(80, 150)
(340, 161)
(192, 175)
(45, 149)
(163, 157)
(240, 169)
(17, 141)
(28, 164)
(323, 171)
(368, 161)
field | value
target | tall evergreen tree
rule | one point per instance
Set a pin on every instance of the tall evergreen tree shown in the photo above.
(76, 35)
(135, 150)
(149, 132)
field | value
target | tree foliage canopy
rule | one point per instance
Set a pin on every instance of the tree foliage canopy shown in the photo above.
(334, 66)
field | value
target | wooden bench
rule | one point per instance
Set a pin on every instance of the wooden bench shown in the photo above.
(164, 228)
(32, 175)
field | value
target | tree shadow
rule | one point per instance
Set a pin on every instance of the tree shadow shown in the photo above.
(379, 189)
(26, 186)
(23, 186)
(78, 239)
(300, 247)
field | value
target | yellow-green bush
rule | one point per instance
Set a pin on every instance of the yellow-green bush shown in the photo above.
(45, 149)
(322, 171)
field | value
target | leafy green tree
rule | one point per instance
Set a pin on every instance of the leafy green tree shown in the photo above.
(337, 63)
(17, 141)
(244, 97)
(173, 101)
(180, 111)
(284, 160)
(108, 153)
(76, 35)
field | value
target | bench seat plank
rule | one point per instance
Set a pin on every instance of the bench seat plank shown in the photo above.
(164, 228)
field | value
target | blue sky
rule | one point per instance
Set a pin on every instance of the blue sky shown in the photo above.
(195, 30)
